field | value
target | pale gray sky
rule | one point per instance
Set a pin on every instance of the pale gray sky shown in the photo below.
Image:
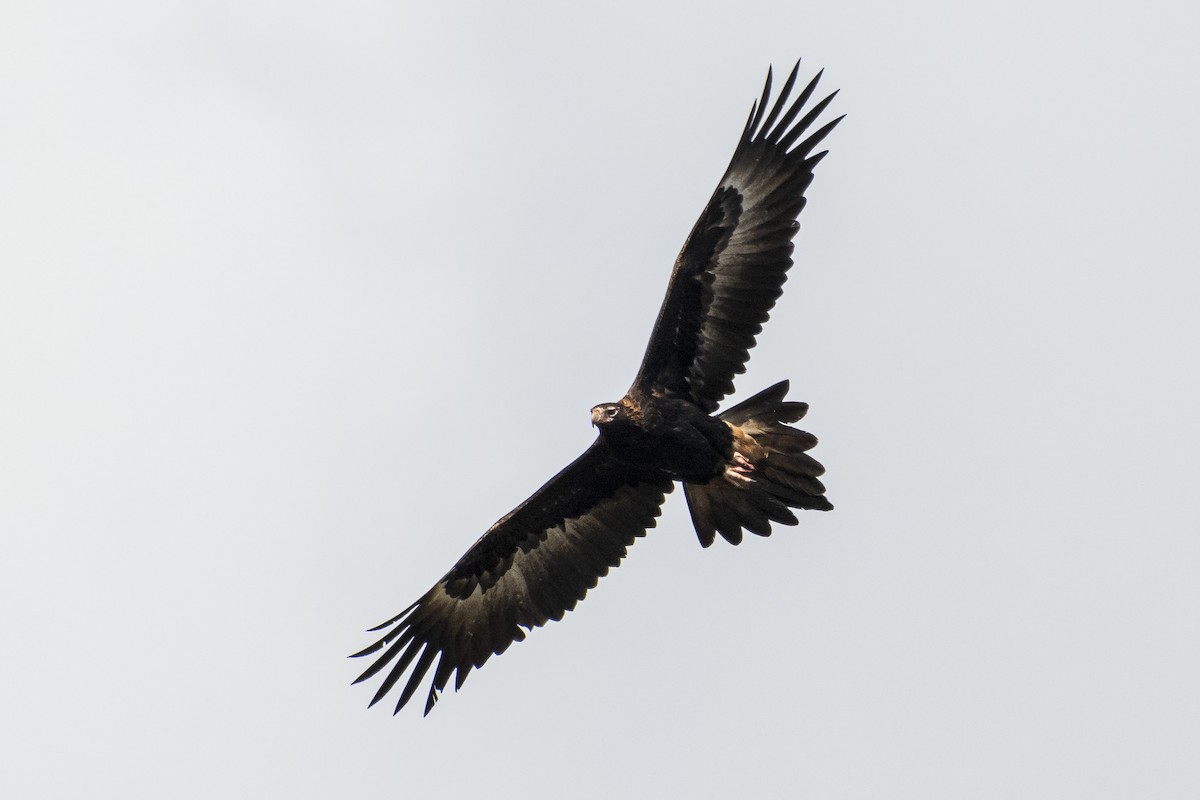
(296, 299)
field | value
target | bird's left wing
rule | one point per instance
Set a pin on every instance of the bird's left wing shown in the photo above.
(732, 267)
(532, 566)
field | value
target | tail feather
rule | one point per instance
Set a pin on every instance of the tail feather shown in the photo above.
(780, 474)
(793, 443)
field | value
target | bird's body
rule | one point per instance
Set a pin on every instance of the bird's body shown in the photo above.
(666, 435)
(742, 469)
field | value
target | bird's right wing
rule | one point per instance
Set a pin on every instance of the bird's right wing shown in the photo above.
(532, 566)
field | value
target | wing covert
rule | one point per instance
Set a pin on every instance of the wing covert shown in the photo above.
(733, 265)
(532, 566)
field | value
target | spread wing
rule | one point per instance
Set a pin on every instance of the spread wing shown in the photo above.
(532, 566)
(732, 267)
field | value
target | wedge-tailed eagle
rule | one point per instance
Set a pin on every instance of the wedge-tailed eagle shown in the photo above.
(742, 469)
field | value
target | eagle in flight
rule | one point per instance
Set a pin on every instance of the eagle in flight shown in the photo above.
(744, 468)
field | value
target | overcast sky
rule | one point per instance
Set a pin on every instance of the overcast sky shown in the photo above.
(296, 299)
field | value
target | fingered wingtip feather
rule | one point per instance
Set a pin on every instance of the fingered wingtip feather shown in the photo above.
(367, 673)
(815, 138)
(394, 619)
(366, 651)
(750, 120)
(384, 687)
(781, 100)
(431, 701)
(760, 107)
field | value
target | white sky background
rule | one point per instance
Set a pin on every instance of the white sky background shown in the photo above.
(297, 299)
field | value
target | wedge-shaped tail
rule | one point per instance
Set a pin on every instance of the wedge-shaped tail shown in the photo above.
(770, 473)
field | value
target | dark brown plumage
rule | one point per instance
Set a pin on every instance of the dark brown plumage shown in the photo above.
(741, 470)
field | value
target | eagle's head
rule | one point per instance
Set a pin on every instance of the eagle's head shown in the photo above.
(605, 413)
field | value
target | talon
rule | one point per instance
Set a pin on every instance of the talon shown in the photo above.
(742, 464)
